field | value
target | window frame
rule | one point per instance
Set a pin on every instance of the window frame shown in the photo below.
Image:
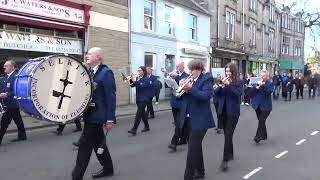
(253, 5)
(271, 41)
(153, 58)
(230, 24)
(149, 16)
(194, 28)
(253, 33)
(169, 21)
(271, 13)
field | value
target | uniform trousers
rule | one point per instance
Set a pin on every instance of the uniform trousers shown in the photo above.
(7, 117)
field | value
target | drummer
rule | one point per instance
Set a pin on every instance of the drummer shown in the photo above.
(12, 108)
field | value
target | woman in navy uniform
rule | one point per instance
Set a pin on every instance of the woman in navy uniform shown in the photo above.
(196, 117)
(97, 117)
(143, 85)
(151, 93)
(229, 109)
(262, 104)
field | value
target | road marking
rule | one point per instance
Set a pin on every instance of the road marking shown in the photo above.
(252, 173)
(281, 154)
(300, 142)
(314, 133)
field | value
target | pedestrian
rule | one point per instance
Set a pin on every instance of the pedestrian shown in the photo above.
(97, 117)
(143, 85)
(299, 82)
(262, 104)
(151, 93)
(229, 108)
(246, 90)
(277, 85)
(12, 111)
(196, 117)
(312, 85)
(177, 138)
(284, 83)
(158, 87)
(216, 106)
(290, 85)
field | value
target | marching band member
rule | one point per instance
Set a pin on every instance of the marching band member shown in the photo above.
(196, 117)
(312, 86)
(143, 85)
(151, 93)
(12, 108)
(216, 106)
(290, 85)
(229, 108)
(95, 118)
(177, 138)
(262, 104)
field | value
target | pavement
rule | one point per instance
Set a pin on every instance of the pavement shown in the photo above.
(290, 153)
(121, 111)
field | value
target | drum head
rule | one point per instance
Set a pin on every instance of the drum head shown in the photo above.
(60, 88)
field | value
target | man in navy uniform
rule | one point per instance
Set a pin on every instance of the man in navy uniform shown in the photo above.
(151, 92)
(177, 138)
(12, 107)
(97, 117)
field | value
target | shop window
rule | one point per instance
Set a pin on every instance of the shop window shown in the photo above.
(217, 62)
(25, 29)
(11, 27)
(169, 63)
(71, 34)
(43, 31)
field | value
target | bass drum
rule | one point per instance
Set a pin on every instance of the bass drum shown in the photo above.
(56, 88)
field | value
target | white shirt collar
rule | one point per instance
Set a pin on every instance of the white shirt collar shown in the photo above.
(95, 69)
(10, 74)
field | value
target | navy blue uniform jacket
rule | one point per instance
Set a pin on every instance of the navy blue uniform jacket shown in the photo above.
(230, 95)
(175, 102)
(152, 90)
(104, 97)
(262, 97)
(143, 86)
(196, 103)
(7, 86)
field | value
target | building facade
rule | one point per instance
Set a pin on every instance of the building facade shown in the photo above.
(33, 28)
(292, 42)
(166, 31)
(249, 33)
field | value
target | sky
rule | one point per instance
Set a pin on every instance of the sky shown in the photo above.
(308, 6)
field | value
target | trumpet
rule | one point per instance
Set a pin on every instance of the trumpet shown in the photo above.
(220, 83)
(130, 78)
(180, 91)
(259, 84)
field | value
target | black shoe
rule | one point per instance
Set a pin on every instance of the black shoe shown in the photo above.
(58, 133)
(102, 173)
(224, 166)
(19, 139)
(257, 139)
(182, 142)
(133, 132)
(77, 144)
(198, 175)
(145, 130)
(173, 147)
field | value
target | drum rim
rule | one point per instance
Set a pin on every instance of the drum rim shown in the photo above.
(31, 76)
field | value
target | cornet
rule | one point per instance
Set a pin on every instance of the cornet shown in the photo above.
(220, 83)
(129, 78)
(180, 91)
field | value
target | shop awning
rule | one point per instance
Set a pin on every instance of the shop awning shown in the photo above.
(299, 65)
(285, 64)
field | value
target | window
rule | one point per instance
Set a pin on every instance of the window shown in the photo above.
(253, 5)
(11, 27)
(148, 15)
(148, 59)
(230, 18)
(297, 26)
(169, 63)
(301, 27)
(217, 62)
(297, 51)
(25, 29)
(271, 13)
(285, 45)
(271, 40)
(252, 33)
(285, 23)
(43, 31)
(192, 31)
(70, 34)
(168, 20)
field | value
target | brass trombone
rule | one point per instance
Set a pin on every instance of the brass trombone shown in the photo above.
(180, 91)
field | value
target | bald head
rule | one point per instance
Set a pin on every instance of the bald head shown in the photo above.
(94, 56)
(180, 66)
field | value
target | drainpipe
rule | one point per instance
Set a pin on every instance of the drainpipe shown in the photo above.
(129, 50)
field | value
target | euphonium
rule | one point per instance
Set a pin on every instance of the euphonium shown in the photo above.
(180, 91)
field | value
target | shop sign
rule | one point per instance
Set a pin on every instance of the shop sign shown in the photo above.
(39, 43)
(44, 9)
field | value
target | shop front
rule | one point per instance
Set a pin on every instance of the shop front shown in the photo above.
(292, 66)
(257, 63)
(33, 28)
